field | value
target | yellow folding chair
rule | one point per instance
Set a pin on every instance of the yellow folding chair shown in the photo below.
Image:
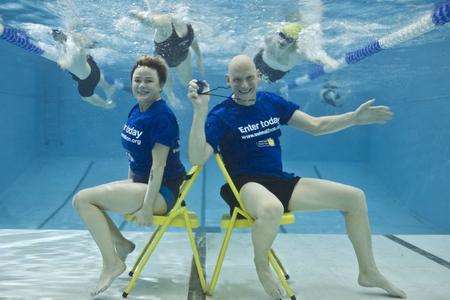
(230, 222)
(178, 216)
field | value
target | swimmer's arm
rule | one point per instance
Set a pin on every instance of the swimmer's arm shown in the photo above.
(198, 54)
(159, 157)
(2, 28)
(321, 125)
(144, 17)
(321, 57)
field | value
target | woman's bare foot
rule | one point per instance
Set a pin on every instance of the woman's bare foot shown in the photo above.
(123, 248)
(376, 279)
(109, 273)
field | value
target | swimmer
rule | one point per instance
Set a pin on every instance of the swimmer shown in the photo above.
(173, 40)
(70, 54)
(292, 43)
(330, 95)
(150, 137)
(245, 128)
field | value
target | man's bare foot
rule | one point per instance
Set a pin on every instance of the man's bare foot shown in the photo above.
(109, 273)
(267, 280)
(376, 279)
(123, 248)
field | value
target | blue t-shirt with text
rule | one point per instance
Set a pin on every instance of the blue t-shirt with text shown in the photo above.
(248, 137)
(142, 130)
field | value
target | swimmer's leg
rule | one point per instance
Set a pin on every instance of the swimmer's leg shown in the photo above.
(98, 101)
(168, 89)
(109, 86)
(184, 70)
(121, 197)
(267, 211)
(312, 194)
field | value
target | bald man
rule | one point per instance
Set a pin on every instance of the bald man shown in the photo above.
(245, 128)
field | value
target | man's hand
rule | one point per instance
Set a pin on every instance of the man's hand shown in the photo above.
(199, 101)
(143, 217)
(368, 114)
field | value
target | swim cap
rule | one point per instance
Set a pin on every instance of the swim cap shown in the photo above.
(292, 30)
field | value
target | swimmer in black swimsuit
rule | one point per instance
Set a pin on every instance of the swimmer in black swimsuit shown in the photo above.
(70, 55)
(173, 40)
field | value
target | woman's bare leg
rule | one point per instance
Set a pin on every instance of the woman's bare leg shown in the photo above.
(121, 197)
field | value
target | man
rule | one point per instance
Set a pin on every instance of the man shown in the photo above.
(245, 128)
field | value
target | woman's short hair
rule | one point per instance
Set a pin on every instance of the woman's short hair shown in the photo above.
(153, 62)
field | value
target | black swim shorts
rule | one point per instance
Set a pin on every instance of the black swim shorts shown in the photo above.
(282, 188)
(87, 86)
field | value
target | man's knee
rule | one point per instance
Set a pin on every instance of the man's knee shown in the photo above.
(272, 210)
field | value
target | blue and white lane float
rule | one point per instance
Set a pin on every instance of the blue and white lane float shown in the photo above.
(428, 22)
(21, 39)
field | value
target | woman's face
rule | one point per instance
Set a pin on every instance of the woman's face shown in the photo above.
(145, 85)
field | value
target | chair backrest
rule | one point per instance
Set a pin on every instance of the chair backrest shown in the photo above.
(186, 185)
(230, 182)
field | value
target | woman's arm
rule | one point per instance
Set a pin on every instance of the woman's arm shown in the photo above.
(159, 154)
(144, 216)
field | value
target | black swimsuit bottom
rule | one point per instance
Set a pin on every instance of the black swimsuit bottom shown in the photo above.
(175, 49)
(282, 188)
(87, 86)
(271, 74)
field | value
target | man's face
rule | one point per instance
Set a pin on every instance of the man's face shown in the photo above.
(243, 79)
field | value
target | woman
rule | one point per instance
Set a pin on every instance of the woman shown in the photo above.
(150, 137)
(70, 54)
(173, 40)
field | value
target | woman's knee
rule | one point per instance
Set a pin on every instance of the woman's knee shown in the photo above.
(358, 201)
(82, 198)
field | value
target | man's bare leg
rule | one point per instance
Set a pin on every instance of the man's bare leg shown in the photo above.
(267, 211)
(315, 194)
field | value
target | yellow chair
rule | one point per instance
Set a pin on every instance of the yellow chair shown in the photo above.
(229, 223)
(178, 216)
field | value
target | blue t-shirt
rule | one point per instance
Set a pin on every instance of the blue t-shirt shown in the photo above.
(142, 130)
(248, 137)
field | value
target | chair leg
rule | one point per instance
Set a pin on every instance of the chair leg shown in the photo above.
(143, 251)
(198, 264)
(281, 276)
(223, 250)
(144, 259)
(286, 275)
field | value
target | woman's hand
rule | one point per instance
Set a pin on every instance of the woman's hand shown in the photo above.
(143, 217)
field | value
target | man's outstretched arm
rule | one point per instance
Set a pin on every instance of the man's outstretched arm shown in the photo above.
(365, 114)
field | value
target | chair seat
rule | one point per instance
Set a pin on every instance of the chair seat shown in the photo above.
(288, 218)
(178, 221)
